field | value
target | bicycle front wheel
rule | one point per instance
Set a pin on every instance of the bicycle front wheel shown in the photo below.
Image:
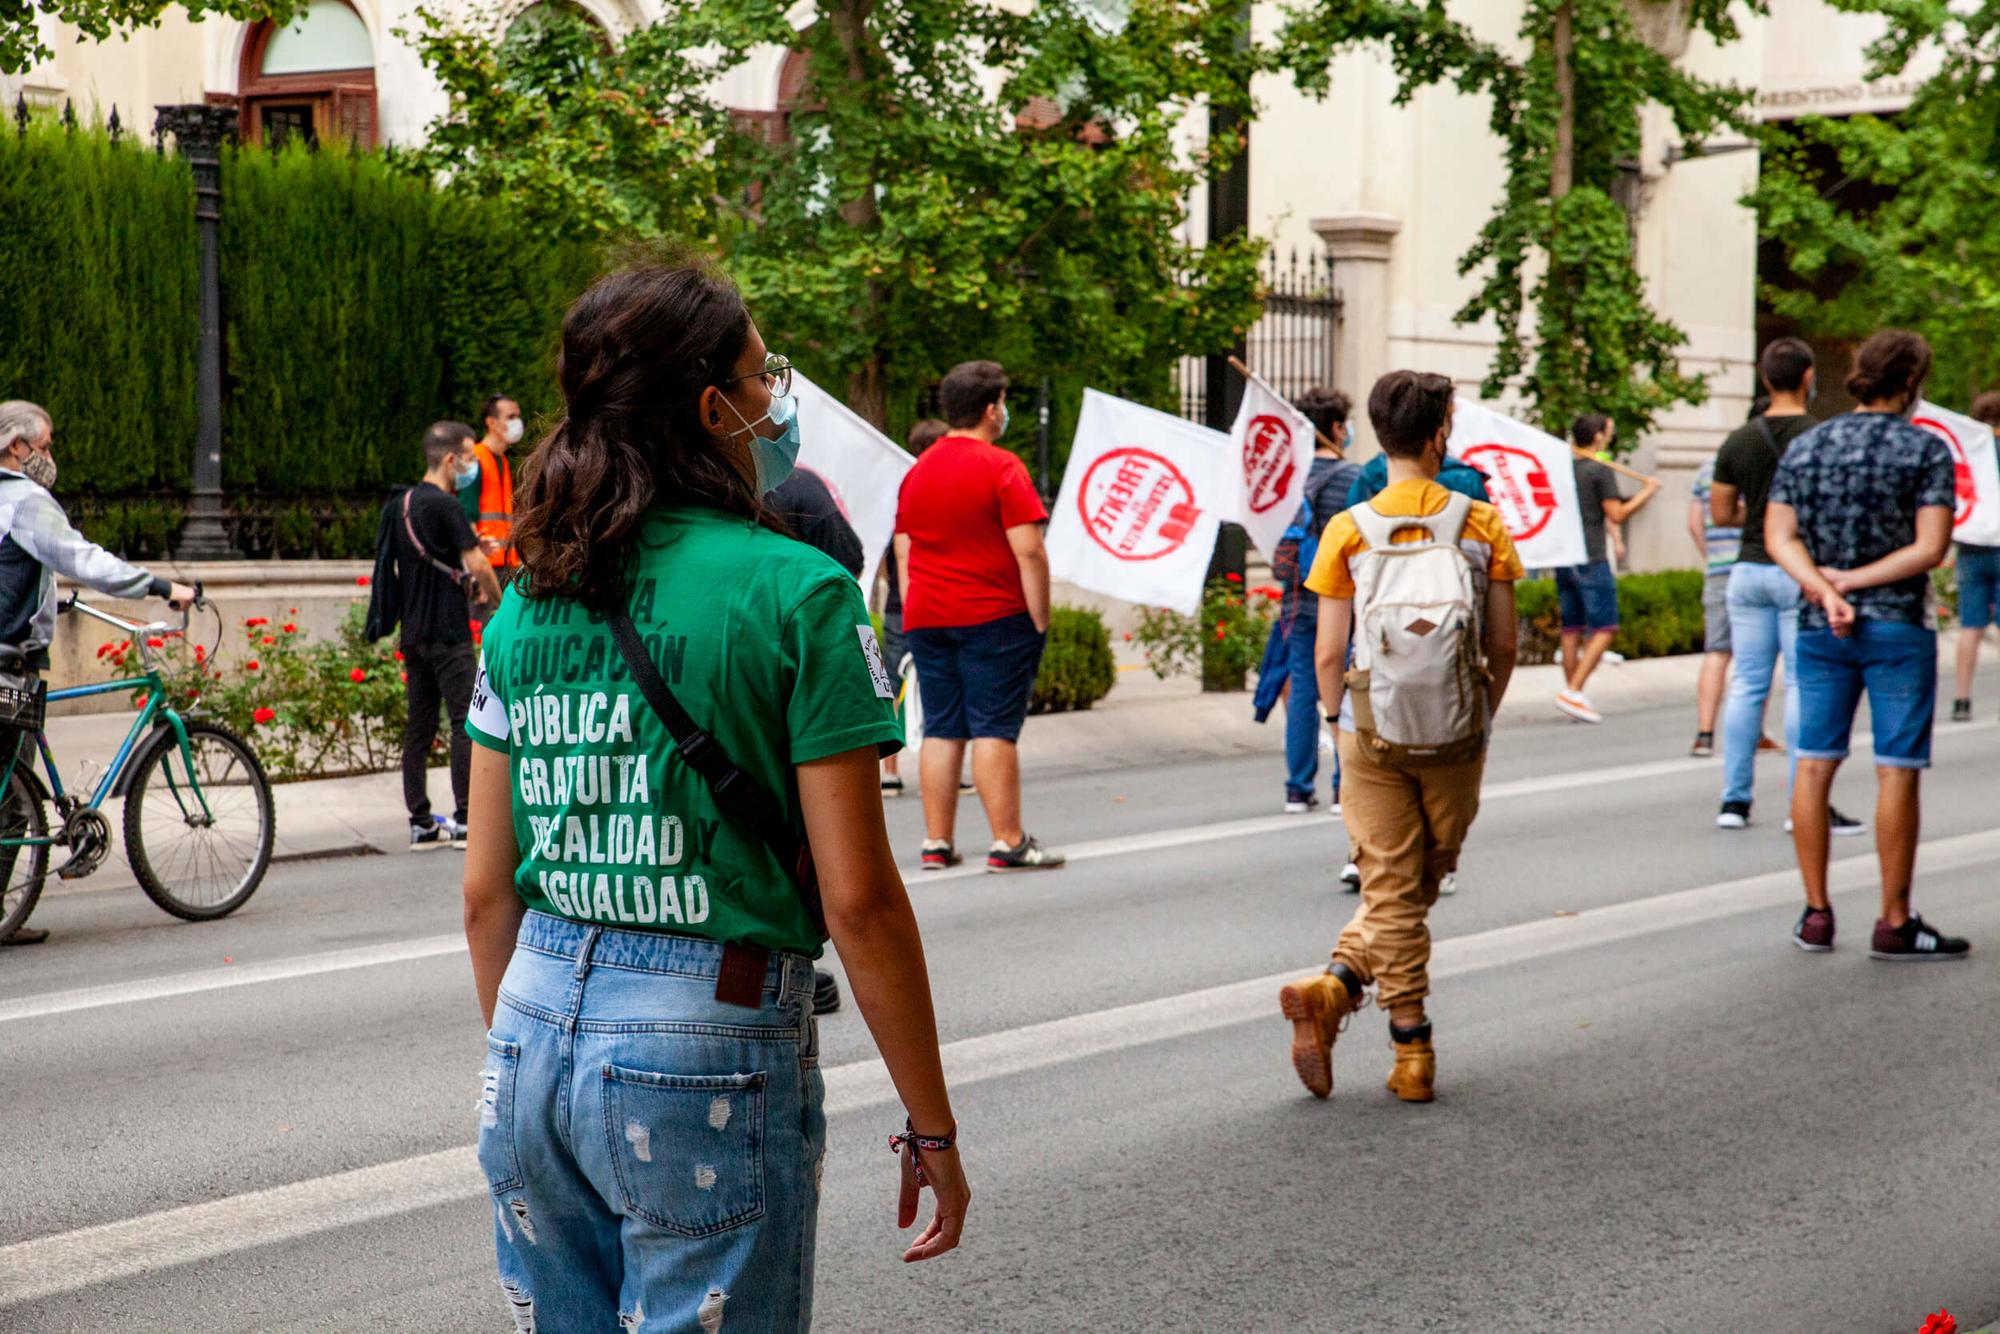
(22, 866)
(199, 836)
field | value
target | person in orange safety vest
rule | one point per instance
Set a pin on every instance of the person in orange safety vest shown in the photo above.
(488, 500)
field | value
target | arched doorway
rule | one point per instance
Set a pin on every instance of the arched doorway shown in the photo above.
(312, 79)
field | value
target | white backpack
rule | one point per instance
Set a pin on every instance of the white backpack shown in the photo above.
(1418, 684)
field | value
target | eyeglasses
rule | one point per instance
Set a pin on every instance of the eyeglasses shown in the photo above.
(777, 374)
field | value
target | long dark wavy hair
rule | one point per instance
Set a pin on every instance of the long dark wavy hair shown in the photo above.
(638, 349)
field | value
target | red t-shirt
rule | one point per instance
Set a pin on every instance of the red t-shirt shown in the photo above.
(956, 506)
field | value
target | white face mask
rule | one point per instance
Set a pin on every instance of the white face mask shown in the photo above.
(511, 432)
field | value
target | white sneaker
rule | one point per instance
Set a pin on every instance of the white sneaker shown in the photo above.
(1577, 706)
(1449, 885)
(1334, 807)
(1300, 805)
(1350, 879)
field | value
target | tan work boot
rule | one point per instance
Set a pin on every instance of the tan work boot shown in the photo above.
(1317, 1006)
(1415, 1075)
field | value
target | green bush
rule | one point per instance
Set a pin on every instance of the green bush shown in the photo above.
(359, 306)
(1077, 669)
(1658, 615)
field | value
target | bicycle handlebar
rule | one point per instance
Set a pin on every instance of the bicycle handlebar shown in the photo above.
(139, 632)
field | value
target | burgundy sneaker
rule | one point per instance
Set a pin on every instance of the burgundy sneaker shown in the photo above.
(1915, 941)
(1814, 933)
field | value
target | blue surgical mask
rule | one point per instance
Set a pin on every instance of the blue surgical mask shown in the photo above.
(1004, 418)
(465, 475)
(776, 457)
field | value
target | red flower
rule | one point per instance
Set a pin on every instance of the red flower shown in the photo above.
(156, 642)
(263, 715)
(357, 676)
(1233, 577)
(290, 628)
(103, 649)
(404, 676)
(250, 666)
(268, 641)
(399, 655)
(1220, 633)
(291, 611)
(254, 621)
(1939, 1322)
(361, 581)
(200, 653)
(1128, 636)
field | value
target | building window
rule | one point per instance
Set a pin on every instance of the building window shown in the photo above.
(310, 80)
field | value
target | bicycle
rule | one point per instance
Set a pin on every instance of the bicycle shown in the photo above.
(198, 818)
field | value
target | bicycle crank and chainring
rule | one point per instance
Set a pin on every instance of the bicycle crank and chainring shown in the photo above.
(87, 835)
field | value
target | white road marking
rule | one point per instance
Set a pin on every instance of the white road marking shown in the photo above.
(67, 1261)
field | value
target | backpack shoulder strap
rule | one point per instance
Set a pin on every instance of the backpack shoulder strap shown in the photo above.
(1444, 527)
(1376, 527)
(459, 576)
(1764, 429)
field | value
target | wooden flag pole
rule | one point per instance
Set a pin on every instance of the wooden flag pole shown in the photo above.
(1636, 476)
(1324, 443)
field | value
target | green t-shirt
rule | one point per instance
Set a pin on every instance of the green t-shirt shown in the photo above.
(766, 643)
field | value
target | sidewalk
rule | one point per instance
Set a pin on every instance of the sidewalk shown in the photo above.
(1144, 721)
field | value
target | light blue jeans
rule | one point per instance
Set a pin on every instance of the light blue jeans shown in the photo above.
(1302, 718)
(654, 1153)
(1763, 625)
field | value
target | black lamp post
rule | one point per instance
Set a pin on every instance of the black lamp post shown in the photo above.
(1228, 215)
(198, 130)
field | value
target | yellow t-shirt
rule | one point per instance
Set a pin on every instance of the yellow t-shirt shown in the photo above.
(1484, 538)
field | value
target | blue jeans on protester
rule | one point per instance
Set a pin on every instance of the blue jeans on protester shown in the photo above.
(1763, 626)
(653, 1152)
(1302, 721)
(1896, 664)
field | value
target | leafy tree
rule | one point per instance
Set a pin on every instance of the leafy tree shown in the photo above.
(1890, 221)
(1558, 243)
(902, 216)
(21, 42)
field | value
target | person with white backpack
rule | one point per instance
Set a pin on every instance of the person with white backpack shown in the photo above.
(1421, 581)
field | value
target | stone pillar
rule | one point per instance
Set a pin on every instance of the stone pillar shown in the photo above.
(1359, 245)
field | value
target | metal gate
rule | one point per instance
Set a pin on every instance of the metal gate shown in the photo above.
(1291, 345)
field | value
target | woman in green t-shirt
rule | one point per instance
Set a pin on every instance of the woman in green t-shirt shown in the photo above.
(650, 1111)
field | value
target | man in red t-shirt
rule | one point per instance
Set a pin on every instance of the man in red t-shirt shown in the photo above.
(975, 581)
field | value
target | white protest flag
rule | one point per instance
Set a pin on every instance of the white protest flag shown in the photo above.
(1531, 478)
(861, 466)
(1274, 442)
(1975, 472)
(1140, 502)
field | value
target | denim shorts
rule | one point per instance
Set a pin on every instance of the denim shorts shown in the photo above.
(1588, 596)
(1978, 586)
(1895, 663)
(654, 1154)
(975, 680)
(1715, 612)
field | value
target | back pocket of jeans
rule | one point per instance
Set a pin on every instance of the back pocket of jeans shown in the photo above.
(688, 1150)
(498, 1158)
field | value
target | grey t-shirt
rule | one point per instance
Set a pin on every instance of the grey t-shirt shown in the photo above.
(1595, 484)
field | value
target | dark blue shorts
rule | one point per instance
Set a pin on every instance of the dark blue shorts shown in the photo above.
(975, 680)
(1978, 586)
(1896, 663)
(1588, 596)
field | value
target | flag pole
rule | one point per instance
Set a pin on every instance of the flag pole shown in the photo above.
(1249, 374)
(1636, 476)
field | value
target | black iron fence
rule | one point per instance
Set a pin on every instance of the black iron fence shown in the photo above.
(1291, 346)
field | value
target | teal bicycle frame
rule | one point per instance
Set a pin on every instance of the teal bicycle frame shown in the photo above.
(152, 711)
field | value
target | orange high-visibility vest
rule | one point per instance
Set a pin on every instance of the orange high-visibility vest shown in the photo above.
(496, 504)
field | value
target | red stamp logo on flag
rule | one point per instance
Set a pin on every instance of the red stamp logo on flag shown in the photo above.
(1268, 463)
(1137, 505)
(1966, 490)
(1519, 486)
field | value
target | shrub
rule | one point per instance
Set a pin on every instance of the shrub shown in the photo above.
(1223, 641)
(1658, 615)
(1077, 669)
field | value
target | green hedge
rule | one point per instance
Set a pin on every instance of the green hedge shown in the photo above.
(1077, 669)
(1658, 615)
(359, 306)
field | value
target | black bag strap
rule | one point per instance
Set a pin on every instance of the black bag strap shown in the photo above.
(742, 799)
(458, 577)
(1764, 425)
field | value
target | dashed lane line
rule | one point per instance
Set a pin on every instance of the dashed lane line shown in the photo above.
(85, 1257)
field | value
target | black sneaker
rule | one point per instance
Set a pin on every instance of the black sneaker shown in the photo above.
(1734, 815)
(1961, 710)
(1840, 826)
(1027, 855)
(1915, 942)
(1350, 879)
(826, 992)
(940, 856)
(432, 833)
(1300, 803)
(1704, 745)
(892, 785)
(1814, 932)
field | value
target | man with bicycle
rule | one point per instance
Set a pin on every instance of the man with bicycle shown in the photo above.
(37, 543)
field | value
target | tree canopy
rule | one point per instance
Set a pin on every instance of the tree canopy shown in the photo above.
(21, 44)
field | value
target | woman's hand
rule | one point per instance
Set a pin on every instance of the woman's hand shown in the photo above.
(945, 1176)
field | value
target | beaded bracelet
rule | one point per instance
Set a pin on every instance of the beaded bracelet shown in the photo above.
(934, 1143)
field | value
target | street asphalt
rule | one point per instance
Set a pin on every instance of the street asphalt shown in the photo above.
(1653, 1114)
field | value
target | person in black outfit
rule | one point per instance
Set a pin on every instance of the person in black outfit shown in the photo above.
(809, 509)
(430, 571)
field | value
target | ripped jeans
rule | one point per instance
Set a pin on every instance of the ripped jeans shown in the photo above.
(654, 1153)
